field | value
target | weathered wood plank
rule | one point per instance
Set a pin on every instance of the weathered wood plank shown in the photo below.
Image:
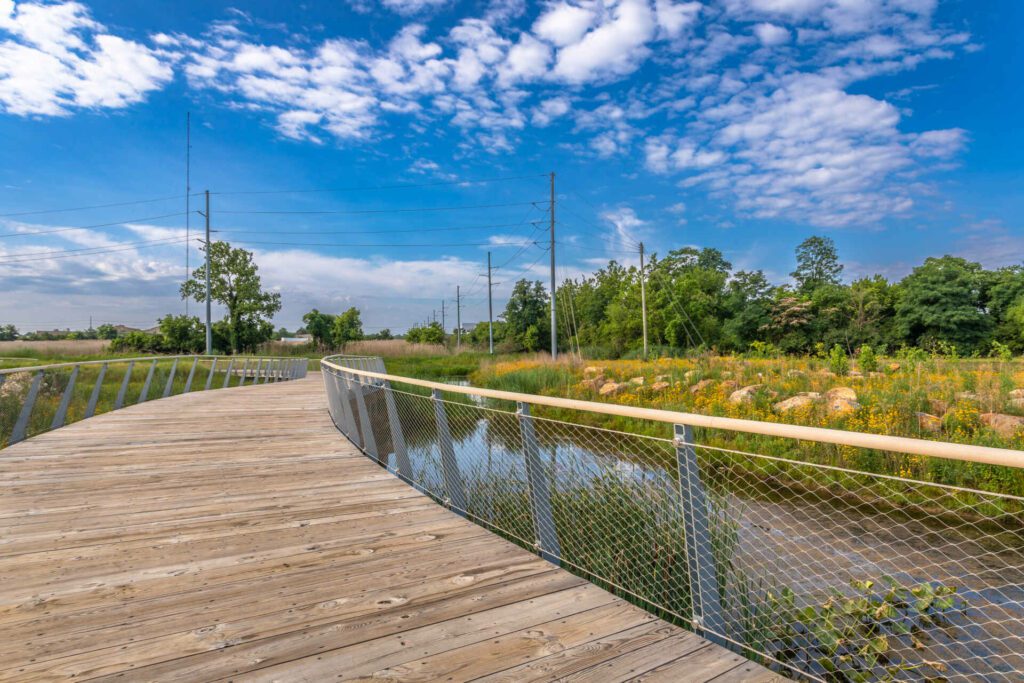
(236, 535)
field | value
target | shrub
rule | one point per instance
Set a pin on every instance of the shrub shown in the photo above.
(867, 359)
(142, 342)
(837, 360)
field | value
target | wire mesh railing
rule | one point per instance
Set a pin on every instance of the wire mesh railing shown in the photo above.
(37, 399)
(818, 571)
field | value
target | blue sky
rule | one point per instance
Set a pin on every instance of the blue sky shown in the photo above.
(892, 126)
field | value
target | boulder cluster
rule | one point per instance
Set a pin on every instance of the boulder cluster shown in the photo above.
(837, 401)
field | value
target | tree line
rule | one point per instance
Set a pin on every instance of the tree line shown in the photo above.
(696, 301)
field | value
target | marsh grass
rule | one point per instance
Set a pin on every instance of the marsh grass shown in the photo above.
(15, 388)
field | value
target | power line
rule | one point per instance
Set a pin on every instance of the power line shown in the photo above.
(98, 225)
(94, 206)
(381, 244)
(408, 210)
(401, 186)
(376, 232)
(93, 251)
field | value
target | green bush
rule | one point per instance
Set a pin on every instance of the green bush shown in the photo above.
(837, 360)
(867, 359)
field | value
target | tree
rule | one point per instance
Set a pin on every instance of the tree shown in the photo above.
(319, 326)
(182, 333)
(281, 333)
(235, 283)
(425, 334)
(527, 315)
(817, 264)
(8, 333)
(347, 327)
(106, 331)
(941, 301)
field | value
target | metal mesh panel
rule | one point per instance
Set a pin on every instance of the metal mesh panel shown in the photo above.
(38, 399)
(814, 570)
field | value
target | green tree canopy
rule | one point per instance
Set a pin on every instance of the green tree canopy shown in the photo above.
(817, 264)
(526, 315)
(941, 301)
(182, 333)
(235, 284)
(347, 327)
(320, 327)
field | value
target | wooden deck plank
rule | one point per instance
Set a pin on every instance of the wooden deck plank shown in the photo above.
(235, 535)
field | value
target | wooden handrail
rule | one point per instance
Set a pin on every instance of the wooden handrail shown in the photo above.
(896, 444)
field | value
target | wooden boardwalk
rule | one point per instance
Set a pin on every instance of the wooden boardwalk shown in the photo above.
(235, 535)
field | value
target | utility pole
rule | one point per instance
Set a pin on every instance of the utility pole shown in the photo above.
(554, 328)
(643, 297)
(209, 329)
(490, 308)
(188, 195)
(443, 328)
(458, 318)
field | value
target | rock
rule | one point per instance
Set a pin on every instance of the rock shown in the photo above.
(727, 373)
(637, 381)
(798, 401)
(592, 370)
(1017, 402)
(825, 373)
(662, 378)
(875, 374)
(612, 389)
(746, 394)
(688, 375)
(701, 386)
(845, 393)
(893, 367)
(966, 396)
(796, 373)
(730, 385)
(810, 394)
(929, 423)
(593, 384)
(855, 374)
(1017, 393)
(938, 406)
(660, 386)
(842, 406)
(1003, 425)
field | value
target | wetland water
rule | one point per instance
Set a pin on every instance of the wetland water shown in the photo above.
(805, 539)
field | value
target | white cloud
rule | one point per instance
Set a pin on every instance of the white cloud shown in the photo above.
(614, 48)
(564, 24)
(627, 230)
(410, 7)
(56, 59)
(551, 109)
(675, 17)
(771, 35)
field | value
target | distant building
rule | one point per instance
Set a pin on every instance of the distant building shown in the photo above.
(298, 339)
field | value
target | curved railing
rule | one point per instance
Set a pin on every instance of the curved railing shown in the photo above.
(759, 536)
(44, 397)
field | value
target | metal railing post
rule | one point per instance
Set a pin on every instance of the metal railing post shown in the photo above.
(245, 372)
(453, 484)
(369, 440)
(357, 429)
(546, 533)
(707, 608)
(349, 420)
(227, 374)
(397, 437)
(94, 397)
(62, 410)
(333, 405)
(144, 394)
(209, 377)
(21, 426)
(119, 401)
(170, 379)
(191, 375)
